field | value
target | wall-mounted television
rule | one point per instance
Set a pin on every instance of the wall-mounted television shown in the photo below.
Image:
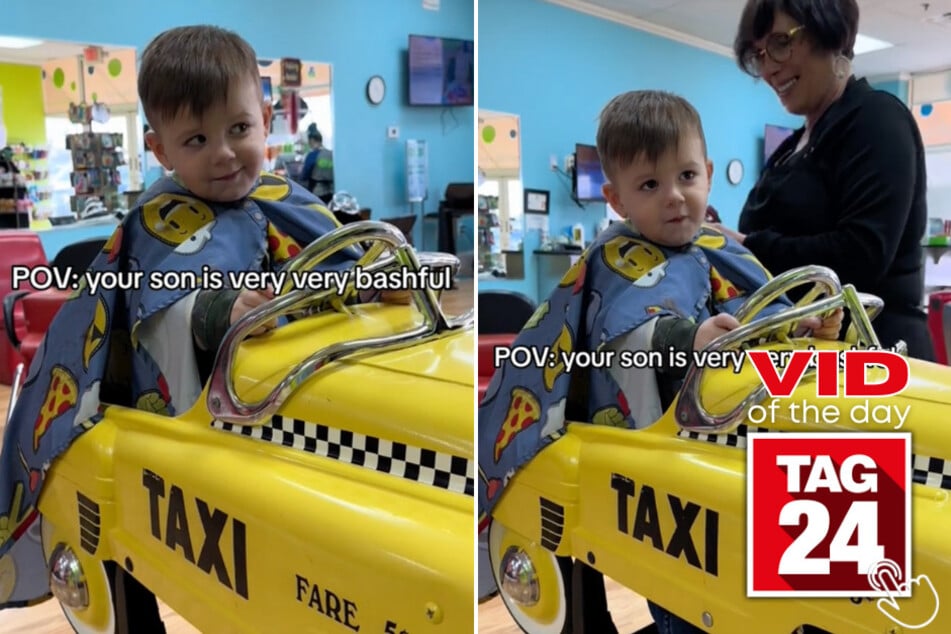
(267, 90)
(588, 176)
(441, 71)
(773, 136)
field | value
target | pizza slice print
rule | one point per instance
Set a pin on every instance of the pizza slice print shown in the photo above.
(524, 411)
(61, 396)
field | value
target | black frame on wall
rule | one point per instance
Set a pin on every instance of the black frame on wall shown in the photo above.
(542, 209)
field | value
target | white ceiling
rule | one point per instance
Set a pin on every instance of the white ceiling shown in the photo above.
(38, 55)
(921, 37)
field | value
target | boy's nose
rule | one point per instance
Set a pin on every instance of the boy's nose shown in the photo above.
(224, 152)
(675, 197)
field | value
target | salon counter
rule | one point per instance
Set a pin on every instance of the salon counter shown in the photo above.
(54, 239)
(551, 268)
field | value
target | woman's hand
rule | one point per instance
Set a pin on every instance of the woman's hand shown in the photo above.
(736, 235)
(825, 328)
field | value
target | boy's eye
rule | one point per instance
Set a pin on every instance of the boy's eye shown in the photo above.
(195, 141)
(689, 175)
(649, 185)
(240, 128)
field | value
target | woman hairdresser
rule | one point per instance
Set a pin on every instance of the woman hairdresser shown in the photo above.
(847, 190)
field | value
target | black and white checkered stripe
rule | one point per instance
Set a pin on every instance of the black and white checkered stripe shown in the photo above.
(932, 472)
(736, 438)
(425, 466)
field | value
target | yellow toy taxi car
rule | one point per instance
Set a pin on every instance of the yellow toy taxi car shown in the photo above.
(323, 482)
(588, 496)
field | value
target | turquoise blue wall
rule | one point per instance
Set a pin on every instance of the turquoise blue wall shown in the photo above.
(897, 87)
(360, 38)
(556, 68)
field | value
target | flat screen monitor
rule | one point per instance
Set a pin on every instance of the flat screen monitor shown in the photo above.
(588, 177)
(441, 71)
(772, 138)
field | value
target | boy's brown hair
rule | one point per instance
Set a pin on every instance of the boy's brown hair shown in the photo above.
(190, 68)
(644, 123)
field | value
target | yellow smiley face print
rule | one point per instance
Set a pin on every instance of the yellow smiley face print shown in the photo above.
(631, 258)
(272, 187)
(173, 218)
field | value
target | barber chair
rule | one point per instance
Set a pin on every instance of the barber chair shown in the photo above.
(27, 314)
(458, 201)
(502, 312)
(405, 224)
(939, 324)
(17, 247)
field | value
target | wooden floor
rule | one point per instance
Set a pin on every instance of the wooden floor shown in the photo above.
(628, 611)
(47, 618)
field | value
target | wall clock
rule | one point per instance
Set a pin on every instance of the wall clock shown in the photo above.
(734, 171)
(376, 90)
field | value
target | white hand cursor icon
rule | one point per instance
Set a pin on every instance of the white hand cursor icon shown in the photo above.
(886, 576)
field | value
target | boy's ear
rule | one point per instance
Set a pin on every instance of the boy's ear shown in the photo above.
(154, 143)
(709, 175)
(611, 194)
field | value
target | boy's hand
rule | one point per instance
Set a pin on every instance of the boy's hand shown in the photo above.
(248, 300)
(827, 328)
(396, 297)
(387, 297)
(712, 328)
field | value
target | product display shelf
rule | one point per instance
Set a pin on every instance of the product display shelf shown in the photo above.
(15, 202)
(95, 178)
(33, 165)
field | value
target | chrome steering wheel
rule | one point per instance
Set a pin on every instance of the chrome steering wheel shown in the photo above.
(690, 413)
(386, 249)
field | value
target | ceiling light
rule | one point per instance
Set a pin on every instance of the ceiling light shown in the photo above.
(18, 42)
(866, 44)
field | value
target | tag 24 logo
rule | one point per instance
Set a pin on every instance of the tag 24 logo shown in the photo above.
(823, 509)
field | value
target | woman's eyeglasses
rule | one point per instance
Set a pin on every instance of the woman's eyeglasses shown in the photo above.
(778, 47)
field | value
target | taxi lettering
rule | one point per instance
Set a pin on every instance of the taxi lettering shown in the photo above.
(646, 525)
(325, 602)
(213, 525)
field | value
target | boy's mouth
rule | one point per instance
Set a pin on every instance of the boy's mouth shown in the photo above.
(228, 177)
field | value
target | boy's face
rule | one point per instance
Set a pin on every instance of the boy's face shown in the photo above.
(667, 201)
(218, 157)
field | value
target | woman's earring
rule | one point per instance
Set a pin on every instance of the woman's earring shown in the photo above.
(841, 66)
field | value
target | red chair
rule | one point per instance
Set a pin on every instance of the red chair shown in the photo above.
(487, 346)
(938, 326)
(502, 314)
(32, 317)
(17, 247)
(27, 314)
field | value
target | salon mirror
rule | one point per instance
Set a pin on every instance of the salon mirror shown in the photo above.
(295, 110)
(52, 93)
(53, 90)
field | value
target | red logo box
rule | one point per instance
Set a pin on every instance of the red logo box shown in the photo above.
(825, 508)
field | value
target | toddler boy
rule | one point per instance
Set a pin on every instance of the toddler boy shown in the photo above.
(659, 282)
(152, 347)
